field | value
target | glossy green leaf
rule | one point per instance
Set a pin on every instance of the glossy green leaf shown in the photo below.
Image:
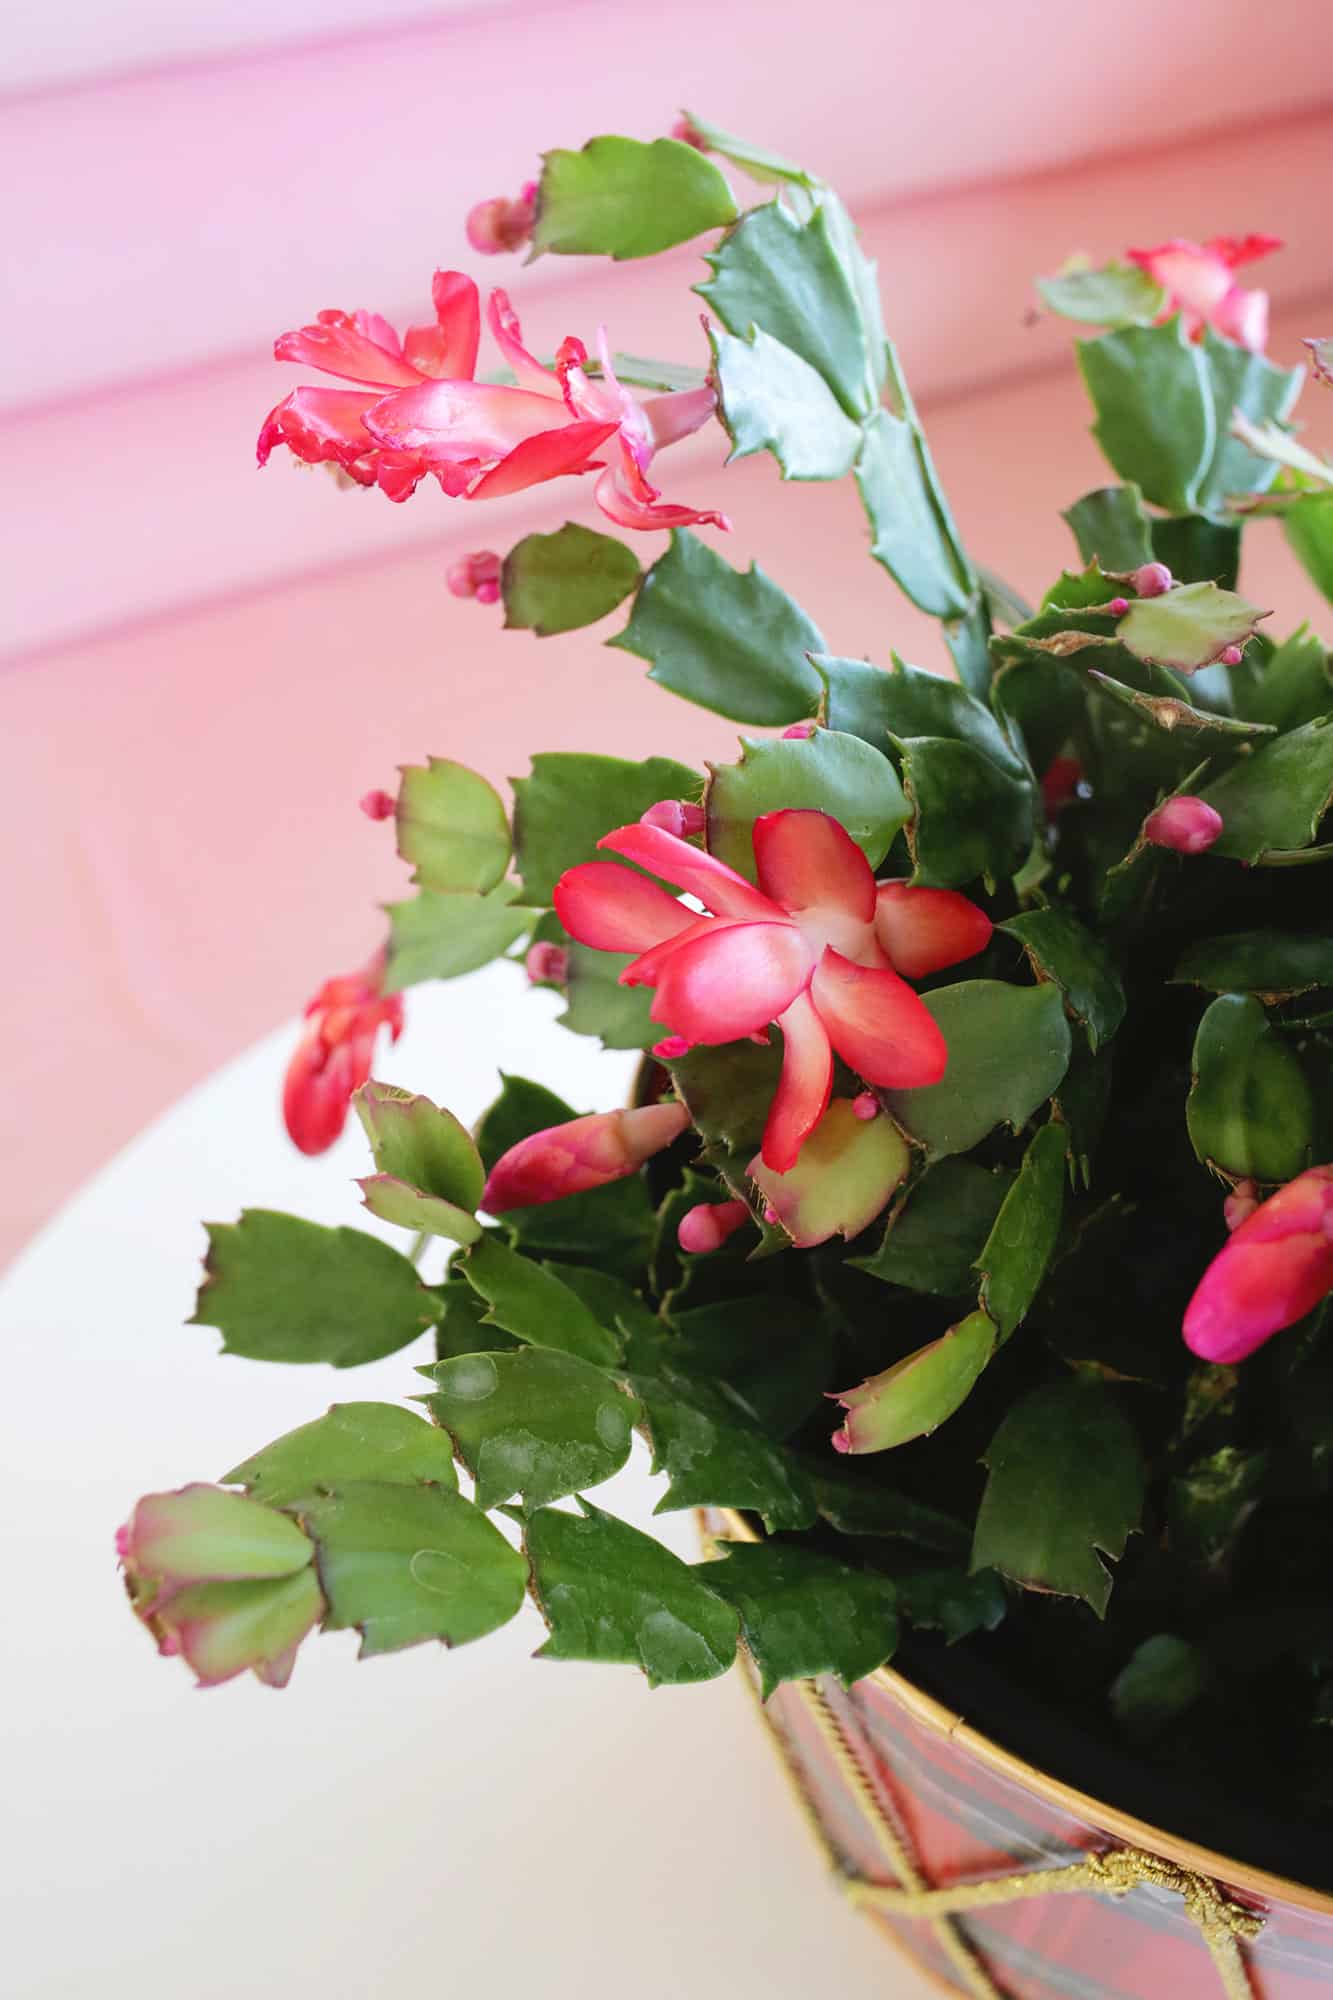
(863, 274)
(1187, 627)
(452, 826)
(532, 1301)
(619, 1016)
(1059, 947)
(918, 1394)
(908, 535)
(462, 1327)
(443, 936)
(623, 198)
(560, 582)
(879, 706)
(417, 1142)
(1155, 422)
(786, 277)
(952, 1602)
(1111, 527)
(1250, 1112)
(1308, 527)
(846, 1175)
(773, 1351)
(522, 1108)
(403, 1564)
(756, 161)
(1197, 549)
(1295, 685)
(769, 399)
(1163, 1678)
(827, 772)
(969, 818)
(609, 1593)
(1273, 964)
(1008, 1050)
(726, 639)
(934, 1239)
(1113, 294)
(351, 1441)
(1065, 1488)
(407, 1207)
(804, 1614)
(570, 800)
(728, 1090)
(532, 1422)
(1274, 801)
(853, 1499)
(1020, 1246)
(1239, 380)
(282, 1289)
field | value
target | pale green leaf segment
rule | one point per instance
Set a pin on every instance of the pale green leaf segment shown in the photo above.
(623, 198)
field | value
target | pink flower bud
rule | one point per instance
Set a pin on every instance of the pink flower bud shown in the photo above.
(671, 1048)
(866, 1106)
(581, 1154)
(1231, 656)
(1152, 579)
(1240, 1205)
(498, 225)
(1189, 825)
(676, 816)
(1275, 1267)
(801, 730)
(688, 134)
(378, 805)
(1118, 607)
(771, 1216)
(708, 1226)
(1060, 784)
(547, 964)
(477, 575)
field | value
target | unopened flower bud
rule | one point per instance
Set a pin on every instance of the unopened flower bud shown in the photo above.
(547, 964)
(378, 805)
(1241, 1203)
(1188, 825)
(689, 135)
(476, 575)
(582, 1153)
(498, 225)
(801, 729)
(1118, 607)
(1059, 786)
(676, 816)
(1275, 1267)
(866, 1106)
(671, 1048)
(708, 1226)
(1231, 656)
(1152, 579)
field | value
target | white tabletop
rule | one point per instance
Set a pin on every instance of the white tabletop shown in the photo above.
(430, 1823)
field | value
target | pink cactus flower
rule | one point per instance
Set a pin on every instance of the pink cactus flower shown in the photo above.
(1274, 1268)
(805, 949)
(498, 225)
(1199, 281)
(581, 1154)
(477, 575)
(709, 1225)
(420, 412)
(1187, 824)
(334, 1055)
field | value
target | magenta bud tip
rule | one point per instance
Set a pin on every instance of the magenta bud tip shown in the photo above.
(1118, 606)
(801, 729)
(378, 805)
(1231, 656)
(840, 1441)
(671, 1048)
(866, 1105)
(1152, 579)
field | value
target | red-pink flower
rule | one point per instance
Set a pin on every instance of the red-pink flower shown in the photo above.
(420, 412)
(335, 1053)
(1275, 1267)
(1199, 281)
(582, 1153)
(813, 948)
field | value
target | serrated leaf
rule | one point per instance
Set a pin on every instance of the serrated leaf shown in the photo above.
(1114, 294)
(969, 818)
(952, 1602)
(756, 161)
(728, 1090)
(599, 1005)
(1273, 964)
(786, 277)
(1250, 1111)
(933, 1241)
(403, 1564)
(1112, 528)
(1020, 1246)
(609, 1593)
(1295, 685)
(908, 535)
(879, 706)
(726, 639)
(769, 399)
(452, 826)
(1065, 1488)
(1189, 626)
(1198, 731)
(774, 1351)
(522, 1108)
(623, 198)
(351, 1441)
(1163, 1677)
(560, 582)
(1196, 549)
(1273, 801)
(804, 1614)
(1155, 422)
(1059, 947)
(443, 936)
(854, 1504)
(919, 1393)
(1241, 381)
(462, 1327)
(532, 1301)
(279, 1288)
(571, 799)
(417, 1142)
(532, 1422)
(1008, 1050)
(1308, 527)
(394, 1201)
(846, 1175)
(828, 772)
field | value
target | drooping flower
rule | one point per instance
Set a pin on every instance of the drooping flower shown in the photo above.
(1187, 824)
(499, 224)
(223, 1580)
(1200, 284)
(476, 575)
(1274, 1268)
(583, 1153)
(815, 948)
(335, 1053)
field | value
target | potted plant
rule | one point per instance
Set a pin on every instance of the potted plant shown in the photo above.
(966, 1252)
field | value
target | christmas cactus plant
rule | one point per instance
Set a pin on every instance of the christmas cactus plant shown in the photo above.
(971, 1230)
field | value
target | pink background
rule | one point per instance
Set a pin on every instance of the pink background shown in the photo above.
(201, 667)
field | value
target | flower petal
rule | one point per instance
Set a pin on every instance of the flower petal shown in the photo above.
(623, 502)
(547, 456)
(1275, 1267)
(732, 981)
(614, 909)
(808, 861)
(508, 334)
(923, 930)
(456, 419)
(337, 345)
(646, 970)
(802, 1095)
(725, 892)
(877, 1024)
(320, 424)
(449, 348)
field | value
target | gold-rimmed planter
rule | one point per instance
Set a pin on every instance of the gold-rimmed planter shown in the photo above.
(1004, 1883)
